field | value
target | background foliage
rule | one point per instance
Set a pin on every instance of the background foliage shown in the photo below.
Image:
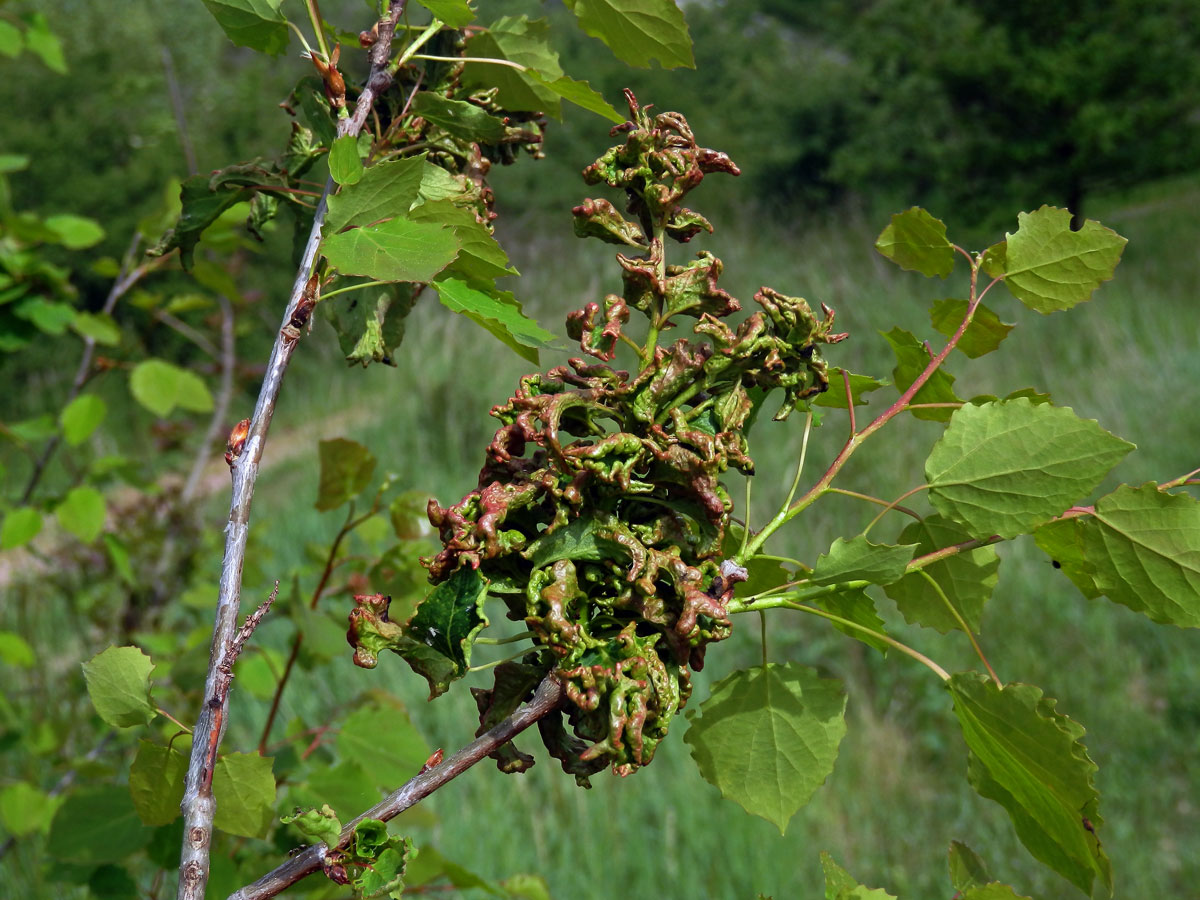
(844, 139)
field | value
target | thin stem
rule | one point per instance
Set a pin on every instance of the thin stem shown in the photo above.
(890, 506)
(473, 59)
(762, 629)
(353, 287)
(421, 40)
(545, 700)
(198, 805)
(921, 561)
(511, 639)
(497, 662)
(849, 402)
(878, 501)
(1180, 481)
(962, 624)
(781, 516)
(314, 16)
(808, 420)
(166, 715)
(781, 602)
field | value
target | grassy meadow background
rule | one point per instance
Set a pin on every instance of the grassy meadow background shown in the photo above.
(1130, 358)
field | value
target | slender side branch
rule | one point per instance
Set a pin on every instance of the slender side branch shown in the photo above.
(547, 698)
(126, 280)
(198, 805)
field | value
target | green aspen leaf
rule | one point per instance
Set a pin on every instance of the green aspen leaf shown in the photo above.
(118, 681)
(46, 316)
(82, 513)
(858, 559)
(967, 868)
(497, 312)
(201, 206)
(768, 738)
(97, 824)
(20, 526)
(39, 428)
(459, 118)
(386, 189)
(316, 825)
(982, 336)
(856, 606)
(526, 887)
(100, 327)
(518, 40)
(370, 323)
(967, 578)
(1063, 541)
(44, 43)
(257, 24)
(25, 809)
(638, 31)
(346, 469)
(1006, 467)
(11, 43)
(454, 13)
(399, 250)
(993, 891)
(244, 790)
(582, 95)
(994, 261)
(160, 386)
(576, 541)
(448, 620)
(835, 397)
(392, 761)
(345, 166)
(156, 781)
(911, 360)
(1030, 759)
(75, 232)
(16, 651)
(385, 877)
(427, 864)
(841, 885)
(81, 417)
(916, 241)
(1142, 548)
(1050, 267)
(481, 257)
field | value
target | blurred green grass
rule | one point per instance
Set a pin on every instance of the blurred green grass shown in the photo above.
(898, 794)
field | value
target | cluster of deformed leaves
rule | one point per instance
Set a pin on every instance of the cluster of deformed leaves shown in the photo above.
(599, 516)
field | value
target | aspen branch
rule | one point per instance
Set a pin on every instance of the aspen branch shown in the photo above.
(546, 699)
(198, 805)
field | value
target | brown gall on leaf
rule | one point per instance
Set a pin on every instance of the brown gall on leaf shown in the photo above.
(599, 514)
(370, 630)
(236, 441)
